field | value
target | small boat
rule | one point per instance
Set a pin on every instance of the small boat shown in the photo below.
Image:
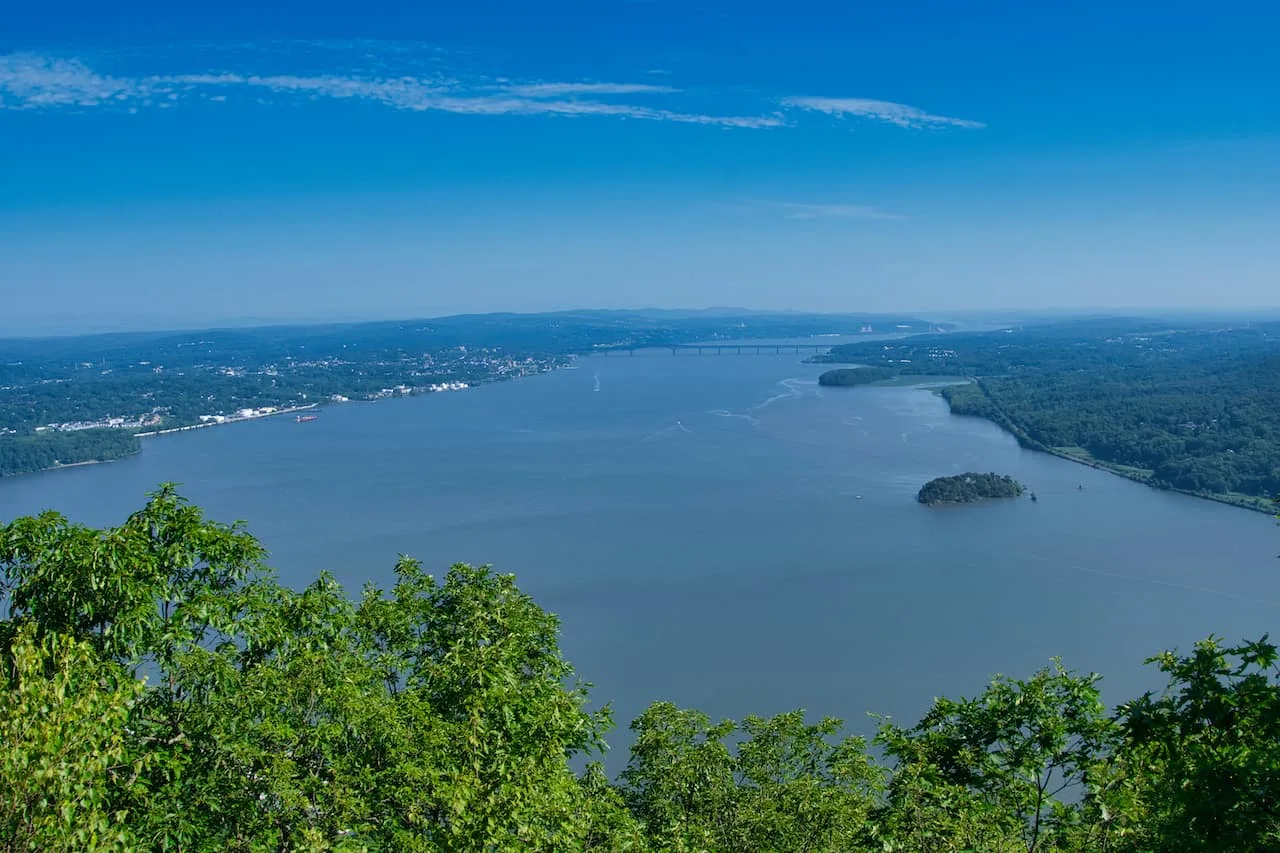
(302, 419)
(1033, 497)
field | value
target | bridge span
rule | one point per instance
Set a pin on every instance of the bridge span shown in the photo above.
(731, 349)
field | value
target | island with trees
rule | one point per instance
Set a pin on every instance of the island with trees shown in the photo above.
(849, 376)
(968, 488)
(1188, 405)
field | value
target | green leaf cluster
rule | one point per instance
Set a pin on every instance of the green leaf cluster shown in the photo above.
(162, 691)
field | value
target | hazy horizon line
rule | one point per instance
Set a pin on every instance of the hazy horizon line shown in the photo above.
(55, 330)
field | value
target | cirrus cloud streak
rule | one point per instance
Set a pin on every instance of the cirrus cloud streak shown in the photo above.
(887, 111)
(33, 82)
(796, 210)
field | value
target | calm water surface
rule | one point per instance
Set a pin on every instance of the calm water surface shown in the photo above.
(721, 532)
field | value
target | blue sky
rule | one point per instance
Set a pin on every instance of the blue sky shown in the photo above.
(243, 161)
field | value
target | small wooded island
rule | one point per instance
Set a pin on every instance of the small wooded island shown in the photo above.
(968, 488)
(855, 376)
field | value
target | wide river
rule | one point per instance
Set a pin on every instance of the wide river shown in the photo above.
(721, 532)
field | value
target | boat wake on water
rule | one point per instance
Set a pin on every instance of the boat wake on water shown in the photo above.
(923, 429)
(795, 388)
(676, 429)
(723, 413)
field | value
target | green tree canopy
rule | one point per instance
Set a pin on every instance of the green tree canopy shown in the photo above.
(160, 690)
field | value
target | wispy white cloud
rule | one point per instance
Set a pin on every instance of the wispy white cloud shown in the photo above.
(901, 115)
(32, 82)
(408, 93)
(201, 79)
(795, 210)
(804, 211)
(556, 90)
(29, 81)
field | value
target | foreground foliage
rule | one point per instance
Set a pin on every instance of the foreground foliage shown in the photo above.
(162, 691)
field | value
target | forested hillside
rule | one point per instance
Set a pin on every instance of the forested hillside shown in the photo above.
(161, 691)
(1196, 409)
(22, 454)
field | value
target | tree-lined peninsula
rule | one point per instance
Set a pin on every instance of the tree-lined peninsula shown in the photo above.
(1187, 405)
(849, 376)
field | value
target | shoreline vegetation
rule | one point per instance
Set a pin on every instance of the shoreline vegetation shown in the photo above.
(52, 451)
(964, 401)
(121, 443)
(160, 688)
(968, 488)
(1191, 408)
(853, 376)
(82, 399)
(231, 419)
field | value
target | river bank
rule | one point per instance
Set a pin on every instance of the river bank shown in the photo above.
(656, 543)
(223, 420)
(228, 420)
(1082, 457)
